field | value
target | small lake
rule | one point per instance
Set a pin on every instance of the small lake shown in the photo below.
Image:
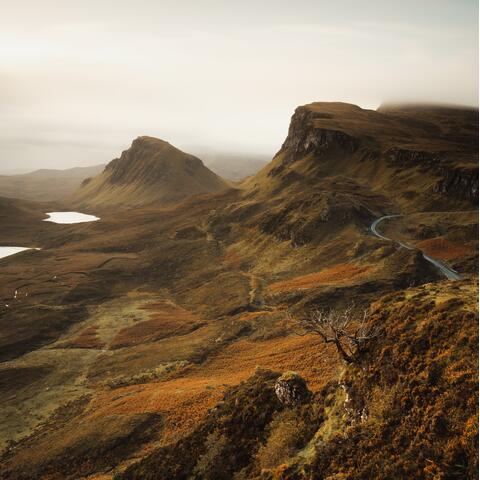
(70, 217)
(7, 251)
(55, 217)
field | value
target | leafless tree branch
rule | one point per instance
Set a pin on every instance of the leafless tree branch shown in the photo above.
(347, 329)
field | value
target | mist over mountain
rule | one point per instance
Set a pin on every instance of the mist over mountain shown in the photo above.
(177, 335)
(239, 240)
(235, 166)
(228, 76)
(46, 184)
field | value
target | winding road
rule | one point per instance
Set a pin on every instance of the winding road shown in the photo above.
(448, 272)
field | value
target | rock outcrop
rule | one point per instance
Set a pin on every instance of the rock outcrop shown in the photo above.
(400, 157)
(459, 183)
(455, 182)
(413, 159)
(305, 137)
(291, 389)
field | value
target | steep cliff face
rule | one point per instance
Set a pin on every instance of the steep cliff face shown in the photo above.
(150, 171)
(420, 158)
(455, 182)
(174, 308)
(305, 138)
(400, 157)
(341, 166)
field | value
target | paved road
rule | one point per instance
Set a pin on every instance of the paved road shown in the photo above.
(448, 272)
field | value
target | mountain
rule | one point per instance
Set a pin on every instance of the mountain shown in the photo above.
(340, 168)
(423, 157)
(170, 342)
(151, 171)
(46, 185)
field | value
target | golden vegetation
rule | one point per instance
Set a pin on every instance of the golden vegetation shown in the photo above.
(185, 400)
(288, 432)
(168, 320)
(444, 249)
(359, 425)
(175, 297)
(338, 274)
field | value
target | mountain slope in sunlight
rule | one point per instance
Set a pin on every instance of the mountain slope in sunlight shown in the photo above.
(129, 343)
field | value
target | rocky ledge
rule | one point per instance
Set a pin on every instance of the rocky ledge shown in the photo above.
(303, 137)
(460, 183)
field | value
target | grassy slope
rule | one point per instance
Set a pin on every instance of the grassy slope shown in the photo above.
(406, 410)
(175, 305)
(150, 171)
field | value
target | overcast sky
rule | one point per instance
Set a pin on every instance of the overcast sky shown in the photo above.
(81, 79)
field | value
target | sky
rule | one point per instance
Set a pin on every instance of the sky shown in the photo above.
(81, 79)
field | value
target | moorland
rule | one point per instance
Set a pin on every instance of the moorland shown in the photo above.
(167, 339)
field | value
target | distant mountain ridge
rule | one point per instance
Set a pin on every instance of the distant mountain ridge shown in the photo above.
(161, 341)
(151, 171)
(46, 184)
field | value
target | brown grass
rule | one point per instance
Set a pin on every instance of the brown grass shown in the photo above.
(232, 259)
(185, 400)
(287, 433)
(340, 273)
(167, 321)
(442, 248)
(253, 315)
(87, 338)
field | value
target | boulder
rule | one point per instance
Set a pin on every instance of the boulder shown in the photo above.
(291, 389)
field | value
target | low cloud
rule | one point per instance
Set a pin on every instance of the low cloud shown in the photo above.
(79, 83)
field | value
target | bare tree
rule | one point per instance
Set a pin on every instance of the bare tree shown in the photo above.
(347, 329)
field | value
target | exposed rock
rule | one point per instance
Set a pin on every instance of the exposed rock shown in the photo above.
(304, 220)
(459, 182)
(456, 182)
(356, 411)
(303, 137)
(291, 389)
(409, 158)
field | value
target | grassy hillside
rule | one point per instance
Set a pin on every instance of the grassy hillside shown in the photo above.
(149, 344)
(406, 409)
(150, 171)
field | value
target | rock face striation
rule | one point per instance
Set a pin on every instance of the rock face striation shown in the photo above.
(459, 182)
(423, 157)
(151, 171)
(304, 137)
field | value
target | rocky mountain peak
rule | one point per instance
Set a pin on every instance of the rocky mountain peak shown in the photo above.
(150, 171)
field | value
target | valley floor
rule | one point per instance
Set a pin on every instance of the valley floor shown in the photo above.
(166, 340)
(106, 352)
